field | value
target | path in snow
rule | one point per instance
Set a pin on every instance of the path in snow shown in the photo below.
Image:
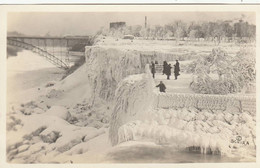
(181, 85)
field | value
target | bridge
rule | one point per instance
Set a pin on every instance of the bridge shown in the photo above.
(60, 51)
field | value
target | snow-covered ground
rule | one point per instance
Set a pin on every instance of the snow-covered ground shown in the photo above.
(38, 118)
(74, 120)
(181, 85)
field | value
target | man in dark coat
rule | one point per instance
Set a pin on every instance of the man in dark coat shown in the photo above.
(168, 71)
(153, 69)
(161, 86)
(164, 67)
(176, 69)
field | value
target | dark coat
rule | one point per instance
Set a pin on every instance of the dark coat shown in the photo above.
(153, 68)
(161, 87)
(177, 68)
(176, 71)
(164, 67)
(168, 70)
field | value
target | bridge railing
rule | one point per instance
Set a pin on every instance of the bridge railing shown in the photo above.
(50, 57)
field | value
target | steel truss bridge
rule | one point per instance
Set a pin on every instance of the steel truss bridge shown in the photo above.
(60, 51)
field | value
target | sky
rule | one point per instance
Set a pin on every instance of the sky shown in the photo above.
(88, 23)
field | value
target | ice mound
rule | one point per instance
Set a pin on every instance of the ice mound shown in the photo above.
(184, 129)
(134, 98)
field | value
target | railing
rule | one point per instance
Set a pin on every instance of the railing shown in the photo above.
(51, 58)
(204, 101)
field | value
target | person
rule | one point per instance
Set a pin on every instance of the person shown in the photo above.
(168, 71)
(153, 69)
(175, 72)
(164, 67)
(161, 87)
(176, 69)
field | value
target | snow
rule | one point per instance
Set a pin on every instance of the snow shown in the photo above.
(51, 129)
(45, 117)
(58, 111)
(112, 99)
(26, 73)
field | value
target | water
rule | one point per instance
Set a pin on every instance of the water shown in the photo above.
(162, 154)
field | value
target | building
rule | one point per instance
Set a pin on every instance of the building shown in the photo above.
(117, 25)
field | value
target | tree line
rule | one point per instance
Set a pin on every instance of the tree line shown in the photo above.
(227, 30)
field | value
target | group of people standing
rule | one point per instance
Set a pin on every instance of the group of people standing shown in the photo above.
(167, 69)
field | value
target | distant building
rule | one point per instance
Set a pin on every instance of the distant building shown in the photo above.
(117, 25)
(131, 37)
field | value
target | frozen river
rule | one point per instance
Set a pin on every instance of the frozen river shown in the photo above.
(27, 71)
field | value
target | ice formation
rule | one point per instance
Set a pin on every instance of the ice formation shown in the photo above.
(71, 117)
(211, 124)
(133, 98)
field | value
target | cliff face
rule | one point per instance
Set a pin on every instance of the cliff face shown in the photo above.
(100, 75)
(107, 67)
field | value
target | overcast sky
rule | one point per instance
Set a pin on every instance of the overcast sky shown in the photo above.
(88, 23)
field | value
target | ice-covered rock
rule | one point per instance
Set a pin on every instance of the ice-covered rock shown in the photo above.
(38, 110)
(200, 116)
(220, 116)
(228, 117)
(213, 130)
(58, 111)
(23, 148)
(50, 137)
(244, 117)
